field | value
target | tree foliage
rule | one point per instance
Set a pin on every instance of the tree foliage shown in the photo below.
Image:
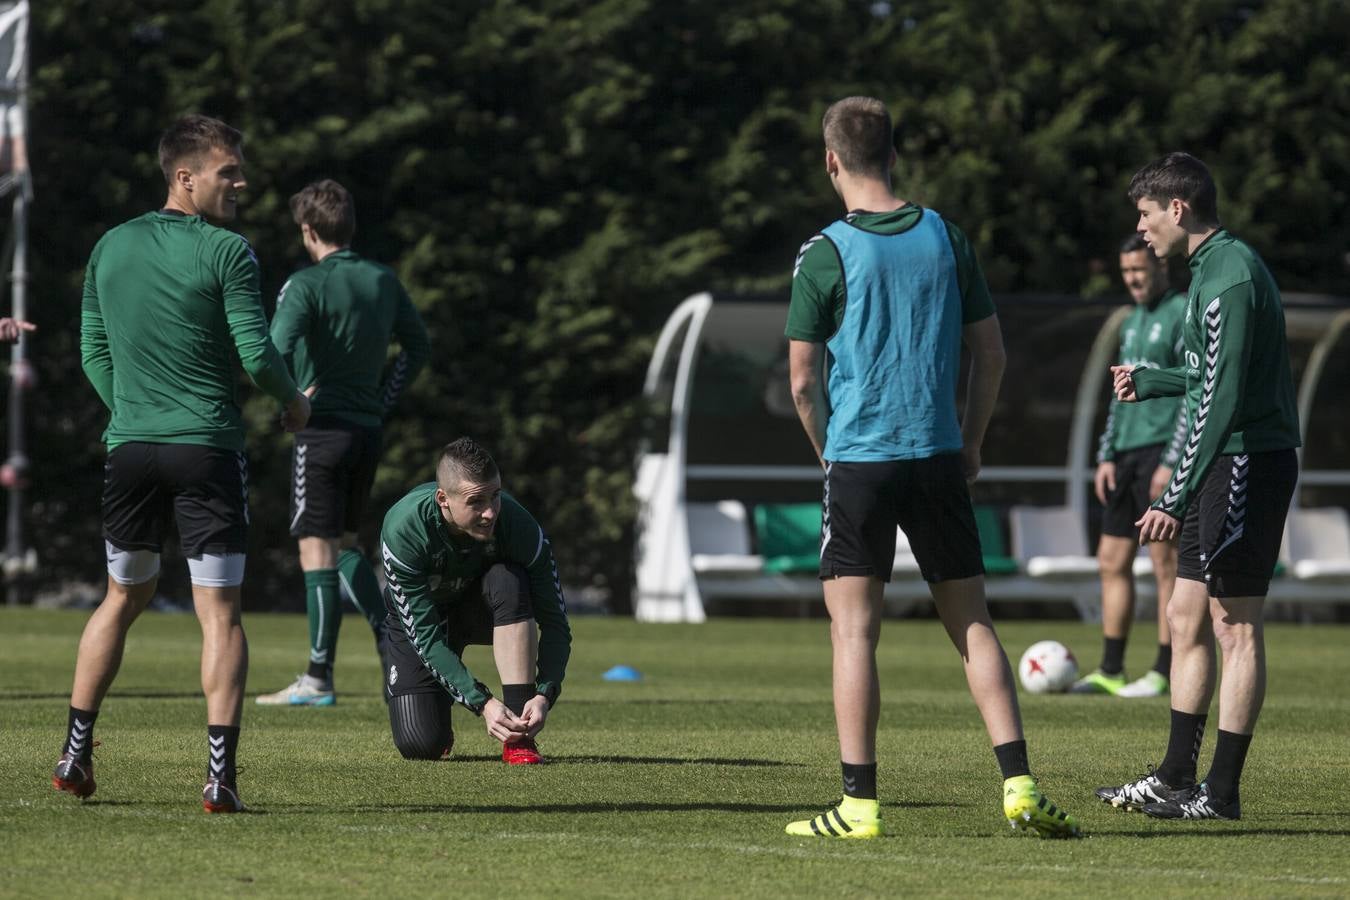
(550, 178)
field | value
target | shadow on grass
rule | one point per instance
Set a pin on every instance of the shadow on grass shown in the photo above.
(1226, 832)
(569, 808)
(166, 805)
(113, 695)
(601, 759)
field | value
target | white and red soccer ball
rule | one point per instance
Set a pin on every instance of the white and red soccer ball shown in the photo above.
(1047, 667)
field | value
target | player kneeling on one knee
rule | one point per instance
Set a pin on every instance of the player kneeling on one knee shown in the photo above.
(465, 563)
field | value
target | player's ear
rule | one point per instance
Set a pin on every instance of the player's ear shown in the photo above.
(1177, 208)
(182, 176)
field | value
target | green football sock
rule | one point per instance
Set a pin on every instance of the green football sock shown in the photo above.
(325, 615)
(359, 584)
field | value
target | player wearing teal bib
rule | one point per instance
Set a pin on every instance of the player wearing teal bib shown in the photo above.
(466, 564)
(1139, 447)
(881, 303)
(334, 323)
(170, 300)
(1229, 494)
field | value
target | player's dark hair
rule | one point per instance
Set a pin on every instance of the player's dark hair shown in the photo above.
(859, 131)
(464, 459)
(191, 138)
(1134, 243)
(1180, 176)
(327, 207)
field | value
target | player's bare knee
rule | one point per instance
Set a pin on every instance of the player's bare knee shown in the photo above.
(1234, 638)
(1185, 623)
(1115, 556)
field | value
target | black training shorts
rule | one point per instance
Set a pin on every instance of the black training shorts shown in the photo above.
(928, 498)
(1128, 502)
(1231, 536)
(204, 489)
(332, 468)
(500, 596)
(404, 671)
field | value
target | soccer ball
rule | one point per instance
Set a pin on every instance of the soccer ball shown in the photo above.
(1047, 667)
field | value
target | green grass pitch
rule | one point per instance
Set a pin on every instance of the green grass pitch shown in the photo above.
(675, 786)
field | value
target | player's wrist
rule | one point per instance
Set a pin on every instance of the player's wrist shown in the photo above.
(483, 698)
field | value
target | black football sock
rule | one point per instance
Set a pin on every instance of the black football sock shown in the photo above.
(1183, 747)
(860, 780)
(1163, 664)
(1230, 753)
(515, 696)
(223, 740)
(1012, 759)
(80, 733)
(1113, 656)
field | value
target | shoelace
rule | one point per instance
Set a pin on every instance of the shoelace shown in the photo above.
(1198, 805)
(1135, 787)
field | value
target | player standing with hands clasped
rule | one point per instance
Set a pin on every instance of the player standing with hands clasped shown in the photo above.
(1229, 493)
(333, 325)
(881, 302)
(170, 298)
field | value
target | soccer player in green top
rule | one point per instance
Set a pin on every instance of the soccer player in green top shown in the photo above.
(466, 564)
(1139, 447)
(1229, 494)
(333, 324)
(170, 299)
(882, 300)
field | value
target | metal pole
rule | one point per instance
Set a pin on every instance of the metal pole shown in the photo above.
(18, 558)
(1099, 359)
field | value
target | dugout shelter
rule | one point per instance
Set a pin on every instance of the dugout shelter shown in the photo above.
(729, 488)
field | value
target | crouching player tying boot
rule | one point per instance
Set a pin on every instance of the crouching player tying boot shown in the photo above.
(466, 564)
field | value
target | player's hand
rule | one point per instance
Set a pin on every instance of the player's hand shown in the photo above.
(1157, 525)
(1158, 483)
(1105, 480)
(534, 714)
(1122, 378)
(311, 390)
(970, 463)
(296, 414)
(10, 329)
(501, 723)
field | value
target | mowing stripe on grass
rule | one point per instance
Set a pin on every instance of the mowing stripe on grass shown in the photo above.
(831, 849)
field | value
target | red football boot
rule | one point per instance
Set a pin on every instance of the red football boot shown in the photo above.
(521, 753)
